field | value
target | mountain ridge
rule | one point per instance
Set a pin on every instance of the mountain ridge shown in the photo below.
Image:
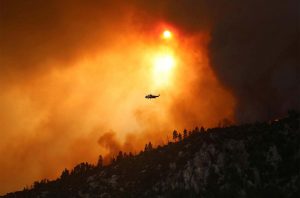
(250, 160)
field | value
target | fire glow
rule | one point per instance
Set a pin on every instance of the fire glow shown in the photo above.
(99, 105)
(167, 34)
(162, 69)
(163, 64)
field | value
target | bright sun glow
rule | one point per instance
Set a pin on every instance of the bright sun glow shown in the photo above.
(163, 65)
(167, 34)
(163, 62)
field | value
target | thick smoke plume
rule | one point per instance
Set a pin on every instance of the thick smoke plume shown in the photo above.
(255, 53)
(254, 50)
(74, 74)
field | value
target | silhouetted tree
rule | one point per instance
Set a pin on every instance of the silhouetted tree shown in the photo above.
(65, 174)
(185, 134)
(113, 160)
(130, 155)
(81, 168)
(150, 146)
(146, 147)
(202, 130)
(179, 137)
(120, 156)
(40, 184)
(125, 155)
(175, 135)
(35, 184)
(100, 161)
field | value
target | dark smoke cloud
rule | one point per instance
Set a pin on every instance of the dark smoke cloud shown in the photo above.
(255, 52)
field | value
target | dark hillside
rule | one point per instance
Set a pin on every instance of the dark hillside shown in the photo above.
(252, 160)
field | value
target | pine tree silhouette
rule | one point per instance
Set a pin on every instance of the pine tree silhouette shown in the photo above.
(100, 161)
(185, 134)
(175, 135)
(179, 137)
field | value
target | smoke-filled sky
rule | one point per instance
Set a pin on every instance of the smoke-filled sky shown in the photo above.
(74, 75)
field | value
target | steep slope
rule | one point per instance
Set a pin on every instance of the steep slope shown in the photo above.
(253, 160)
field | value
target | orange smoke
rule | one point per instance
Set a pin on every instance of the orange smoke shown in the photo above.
(96, 105)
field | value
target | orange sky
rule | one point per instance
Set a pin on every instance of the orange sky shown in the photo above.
(55, 120)
(74, 74)
(66, 100)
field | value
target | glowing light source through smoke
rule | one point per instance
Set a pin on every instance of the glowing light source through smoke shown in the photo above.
(114, 75)
(167, 34)
(163, 63)
(163, 66)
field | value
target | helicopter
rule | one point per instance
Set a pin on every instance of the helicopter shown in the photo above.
(150, 96)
